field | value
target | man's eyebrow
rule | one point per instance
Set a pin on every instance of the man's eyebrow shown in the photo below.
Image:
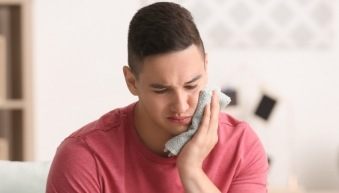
(193, 80)
(158, 86)
(161, 86)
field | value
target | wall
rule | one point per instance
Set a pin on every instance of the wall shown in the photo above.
(79, 51)
(80, 48)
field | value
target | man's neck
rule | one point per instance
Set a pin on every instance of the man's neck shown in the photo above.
(153, 137)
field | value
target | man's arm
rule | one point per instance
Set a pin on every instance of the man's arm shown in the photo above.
(191, 157)
(252, 173)
(73, 169)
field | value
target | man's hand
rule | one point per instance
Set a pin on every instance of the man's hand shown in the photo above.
(191, 157)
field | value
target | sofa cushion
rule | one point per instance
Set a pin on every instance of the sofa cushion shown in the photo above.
(23, 177)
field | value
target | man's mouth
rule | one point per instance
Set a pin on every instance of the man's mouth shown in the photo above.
(181, 120)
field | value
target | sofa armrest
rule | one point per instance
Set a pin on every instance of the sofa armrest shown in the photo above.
(23, 177)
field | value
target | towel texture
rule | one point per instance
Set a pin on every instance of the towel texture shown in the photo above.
(174, 145)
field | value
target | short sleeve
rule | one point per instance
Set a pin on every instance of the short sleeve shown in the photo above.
(73, 169)
(253, 165)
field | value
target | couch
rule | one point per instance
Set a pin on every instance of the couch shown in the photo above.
(23, 177)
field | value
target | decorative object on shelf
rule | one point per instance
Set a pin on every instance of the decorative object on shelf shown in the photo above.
(232, 93)
(265, 106)
(269, 160)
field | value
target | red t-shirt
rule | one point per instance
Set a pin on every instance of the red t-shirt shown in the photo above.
(107, 156)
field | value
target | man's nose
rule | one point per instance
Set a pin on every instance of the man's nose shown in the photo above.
(180, 102)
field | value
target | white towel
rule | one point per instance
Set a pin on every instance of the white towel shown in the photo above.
(174, 145)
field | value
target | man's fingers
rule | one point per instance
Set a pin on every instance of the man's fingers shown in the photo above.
(214, 119)
(215, 108)
(208, 128)
(205, 123)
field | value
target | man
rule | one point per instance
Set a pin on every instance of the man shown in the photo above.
(123, 151)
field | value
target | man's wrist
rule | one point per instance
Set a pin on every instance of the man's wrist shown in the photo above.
(195, 180)
(190, 172)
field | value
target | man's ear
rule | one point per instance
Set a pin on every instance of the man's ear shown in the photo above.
(206, 61)
(206, 68)
(130, 80)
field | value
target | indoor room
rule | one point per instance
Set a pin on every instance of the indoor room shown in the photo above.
(61, 67)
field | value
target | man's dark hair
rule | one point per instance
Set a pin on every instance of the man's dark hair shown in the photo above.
(160, 28)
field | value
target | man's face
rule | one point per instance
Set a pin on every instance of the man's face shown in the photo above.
(168, 89)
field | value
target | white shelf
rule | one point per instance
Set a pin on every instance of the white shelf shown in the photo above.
(11, 105)
(15, 79)
(2, 67)
(12, 2)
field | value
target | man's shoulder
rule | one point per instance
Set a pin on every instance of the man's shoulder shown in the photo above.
(229, 122)
(231, 127)
(101, 135)
(109, 121)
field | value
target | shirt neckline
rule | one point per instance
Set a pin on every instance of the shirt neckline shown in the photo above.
(139, 146)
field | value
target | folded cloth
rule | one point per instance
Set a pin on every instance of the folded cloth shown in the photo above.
(174, 145)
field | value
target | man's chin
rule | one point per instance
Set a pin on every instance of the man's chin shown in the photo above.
(179, 129)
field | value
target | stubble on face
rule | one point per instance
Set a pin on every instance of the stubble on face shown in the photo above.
(168, 90)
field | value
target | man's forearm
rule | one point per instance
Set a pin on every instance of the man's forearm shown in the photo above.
(197, 182)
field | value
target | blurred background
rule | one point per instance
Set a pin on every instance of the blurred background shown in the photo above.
(278, 59)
